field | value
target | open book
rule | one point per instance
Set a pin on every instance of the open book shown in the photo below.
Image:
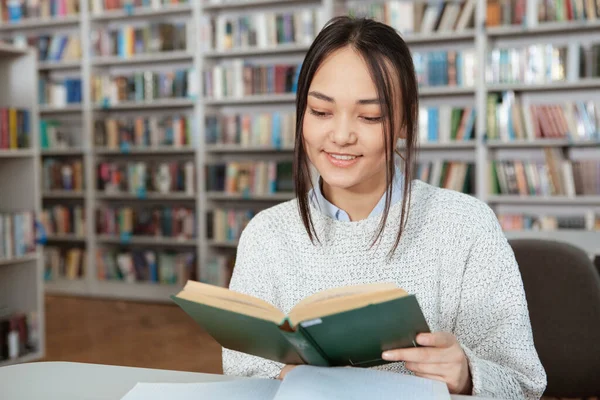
(338, 327)
(303, 382)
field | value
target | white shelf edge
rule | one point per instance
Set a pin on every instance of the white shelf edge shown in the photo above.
(253, 99)
(146, 291)
(541, 143)
(149, 105)
(36, 355)
(145, 150)
(257, 51)
(543, 28)
(7, 50)
(62, 152)
(584, 83)
(146, 241)
(235, 148)
(63, 194)
(446, 90)
(70, 108)
(69, 237)
(162, 57)
(249, 4)
(140, 12)
(513, 199)
(222, 243)
(56, 65)
(148, 196)
(16, 153)
(439, 37)
(213, 195)
(62, 286)
(19, 260)
(40, 23)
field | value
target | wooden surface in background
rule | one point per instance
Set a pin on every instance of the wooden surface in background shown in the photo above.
(127, 333)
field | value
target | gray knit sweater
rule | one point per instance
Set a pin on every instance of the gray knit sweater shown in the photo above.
(453, 256)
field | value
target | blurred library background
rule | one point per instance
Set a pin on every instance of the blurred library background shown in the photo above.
(139, 137)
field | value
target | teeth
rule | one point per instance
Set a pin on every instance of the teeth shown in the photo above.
(344, 157)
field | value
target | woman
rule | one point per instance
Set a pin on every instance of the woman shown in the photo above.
(367, 221)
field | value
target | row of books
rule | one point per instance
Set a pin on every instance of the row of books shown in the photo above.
(64, 263)
(568, 10)
(237, 79)
(53, 135)
(63, 220)
(99, 6)
(551, 178)
(261, 29)
(57, 47)
(59, 93)
(269, 129)
(540, 63)
(527, 222)
(445, 68)
(218, 270)
(142, 86)
(446, 123)
(142, 132)
(17, 234)
(148, 37)
(510, 120)
(409, 17)
(18, 10)
(141, 178)
(453, 175)
(15, 128)
(160, 267)
(19, 334)
(157, 222)
(226, 225)
(506, 12)
(62, 174)
(250, 178)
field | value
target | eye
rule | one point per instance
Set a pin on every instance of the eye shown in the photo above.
(318, 114)
(373, 120)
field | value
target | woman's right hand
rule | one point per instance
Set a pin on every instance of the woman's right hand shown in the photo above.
(285, 370)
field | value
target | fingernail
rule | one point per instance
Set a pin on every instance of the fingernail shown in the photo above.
(386, 355)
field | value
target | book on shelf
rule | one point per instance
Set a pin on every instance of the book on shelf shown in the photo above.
(12, 11)
(567, 10)
(237, 78)
(260, 29)
(141, 178)
(250, 178)
(54, 135)
(315, 330)
(63, 220)
(125, 223)
(554, 177)
(159, 267)
(217, 270)
(145, 38)
(61, 263)
(226, 225)
(17, 234)
(269, 129)
(509, 119)
(542, 63)
(99, 6)
(62, 174)
(543, 222)
(410, 18)
(15, 128)
(59, 93)
(19, 333)
(57, 47)
(143, 86)
(145, 131)
(446, 124)
(506, 12)
(453, 175)
(446, 68)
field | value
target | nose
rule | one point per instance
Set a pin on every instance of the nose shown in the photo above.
(343, 132)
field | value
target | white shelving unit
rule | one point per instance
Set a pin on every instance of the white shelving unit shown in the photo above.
(478, 151)
(21, 285)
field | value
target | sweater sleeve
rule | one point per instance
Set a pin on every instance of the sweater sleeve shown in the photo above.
(493, 323)
(252, 276)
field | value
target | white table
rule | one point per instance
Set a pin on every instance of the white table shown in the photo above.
(75, 381)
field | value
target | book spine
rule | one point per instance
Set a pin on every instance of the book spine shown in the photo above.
(306, 348)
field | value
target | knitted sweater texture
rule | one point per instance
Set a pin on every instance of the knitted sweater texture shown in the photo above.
(452, 255)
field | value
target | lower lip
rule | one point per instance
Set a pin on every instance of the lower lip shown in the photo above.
(342, 163)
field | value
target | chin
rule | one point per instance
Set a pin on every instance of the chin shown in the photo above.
(341, 179)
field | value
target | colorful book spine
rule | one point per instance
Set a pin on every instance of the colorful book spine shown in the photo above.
(127, 222)
(62, 174)
(453, 175)
(17, 234)
(445, 68)
(63, 220)
(251, 178)
(274, 129)
(64, 263)
(445, 124)
(15, 129)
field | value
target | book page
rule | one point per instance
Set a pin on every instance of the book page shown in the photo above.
(357, 383)
(345, 291)
(250, 389)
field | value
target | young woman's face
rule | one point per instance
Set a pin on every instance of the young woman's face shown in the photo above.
(343, 126)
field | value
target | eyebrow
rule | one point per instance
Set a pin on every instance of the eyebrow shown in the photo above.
(329, 99)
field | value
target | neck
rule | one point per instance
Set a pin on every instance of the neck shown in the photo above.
(357, 201)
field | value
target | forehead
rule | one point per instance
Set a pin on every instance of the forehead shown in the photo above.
(344, 73)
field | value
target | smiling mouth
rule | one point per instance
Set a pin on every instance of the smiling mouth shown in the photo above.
(343, 157)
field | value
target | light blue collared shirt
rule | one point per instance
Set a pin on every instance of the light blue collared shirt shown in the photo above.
(336, 213)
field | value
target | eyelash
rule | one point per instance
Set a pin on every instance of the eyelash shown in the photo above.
(370, 120)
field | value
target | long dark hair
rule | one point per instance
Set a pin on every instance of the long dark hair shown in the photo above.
(391, 67)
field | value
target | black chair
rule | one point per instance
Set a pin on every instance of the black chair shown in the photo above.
(562, 288)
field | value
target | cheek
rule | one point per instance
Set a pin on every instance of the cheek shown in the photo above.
(371, 139)
(313, 133)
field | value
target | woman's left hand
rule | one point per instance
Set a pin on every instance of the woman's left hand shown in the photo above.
(442, 358)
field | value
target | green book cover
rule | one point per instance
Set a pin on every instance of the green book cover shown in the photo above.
(355, 335)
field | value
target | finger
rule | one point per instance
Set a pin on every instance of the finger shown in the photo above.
(434, 377)
(440, 369)
(420, 354)
(437, 339)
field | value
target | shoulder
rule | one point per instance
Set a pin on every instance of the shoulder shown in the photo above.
(465, 212)
(270, 223)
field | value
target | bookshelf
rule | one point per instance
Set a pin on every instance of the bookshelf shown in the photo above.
(21, 285)
(79, 119)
